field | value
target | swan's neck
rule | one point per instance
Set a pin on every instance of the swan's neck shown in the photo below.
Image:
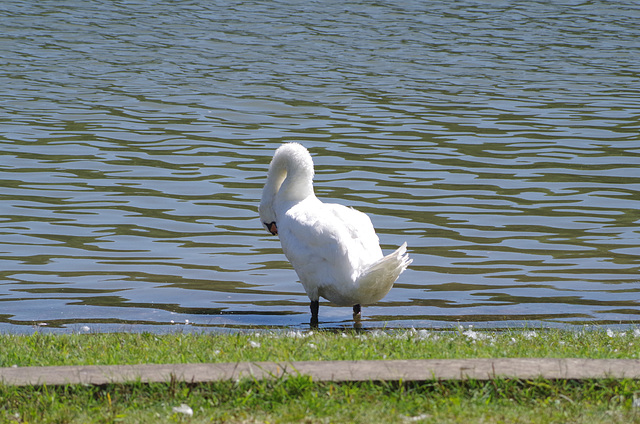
(290, 180)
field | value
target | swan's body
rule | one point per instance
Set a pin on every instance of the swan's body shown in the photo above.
(333, 249)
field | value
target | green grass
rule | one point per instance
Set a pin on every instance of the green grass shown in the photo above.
(126, 348)
(302, 400)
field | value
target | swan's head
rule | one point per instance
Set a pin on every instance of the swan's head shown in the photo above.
(290, 179)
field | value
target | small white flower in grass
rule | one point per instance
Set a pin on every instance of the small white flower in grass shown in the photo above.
(612, 333)
(424, 334)
(254, 344)
(312, 346)
(294, 334)
(530, 335)
(183, 409)
(636, 332)
(473, 335)
(416, 418)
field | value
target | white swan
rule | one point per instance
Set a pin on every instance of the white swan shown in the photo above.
(333, 249)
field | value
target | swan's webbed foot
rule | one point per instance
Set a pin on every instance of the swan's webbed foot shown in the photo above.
(357, 309)
(315, 306)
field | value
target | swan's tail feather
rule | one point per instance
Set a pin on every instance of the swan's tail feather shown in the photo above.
(377, 279)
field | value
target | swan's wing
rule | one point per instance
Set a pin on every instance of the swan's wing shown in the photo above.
(357, 224)
(328, 244)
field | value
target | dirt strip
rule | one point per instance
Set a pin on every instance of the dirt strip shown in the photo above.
(393, 370)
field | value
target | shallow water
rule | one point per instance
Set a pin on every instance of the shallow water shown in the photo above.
(500, 140)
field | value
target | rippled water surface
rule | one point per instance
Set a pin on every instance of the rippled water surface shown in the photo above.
(499, 139)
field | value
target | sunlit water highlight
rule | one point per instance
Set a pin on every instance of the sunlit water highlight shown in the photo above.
(500, 140)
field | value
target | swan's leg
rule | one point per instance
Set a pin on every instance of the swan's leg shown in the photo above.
(315, 306)
(356, 312)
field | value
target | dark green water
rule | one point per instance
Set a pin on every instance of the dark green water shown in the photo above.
(501, 140)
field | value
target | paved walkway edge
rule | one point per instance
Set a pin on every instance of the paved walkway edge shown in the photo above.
(388, 370)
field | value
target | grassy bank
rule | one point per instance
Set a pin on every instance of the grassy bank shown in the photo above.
(126, 348)
(302, 400)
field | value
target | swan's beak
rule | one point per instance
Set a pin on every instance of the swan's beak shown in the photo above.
(271, 227)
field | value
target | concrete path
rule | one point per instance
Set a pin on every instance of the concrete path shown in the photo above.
(393, 370)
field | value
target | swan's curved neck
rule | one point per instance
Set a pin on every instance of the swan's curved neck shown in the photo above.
(291, 177)
(290, 180)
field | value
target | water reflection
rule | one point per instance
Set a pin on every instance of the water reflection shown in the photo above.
(499, 140)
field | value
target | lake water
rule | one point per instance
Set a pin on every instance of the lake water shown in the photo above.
(500, 139)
